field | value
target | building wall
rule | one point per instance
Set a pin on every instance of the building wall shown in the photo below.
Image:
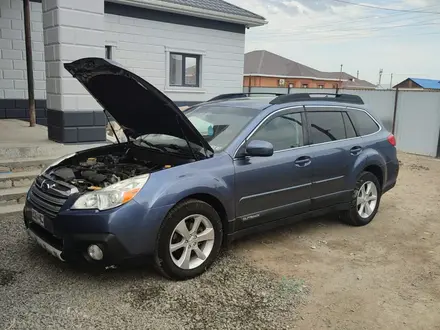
(297, 83)
(143, 46)
(13, 75)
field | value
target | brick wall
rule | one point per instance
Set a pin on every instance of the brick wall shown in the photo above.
(297, 83)
(13, 83)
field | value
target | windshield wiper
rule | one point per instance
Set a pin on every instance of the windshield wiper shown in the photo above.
(153, 146)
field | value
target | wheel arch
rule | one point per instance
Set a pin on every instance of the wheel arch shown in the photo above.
(377, 171)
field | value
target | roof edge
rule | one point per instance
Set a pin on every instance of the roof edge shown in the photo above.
(290, 77)
(193, 11)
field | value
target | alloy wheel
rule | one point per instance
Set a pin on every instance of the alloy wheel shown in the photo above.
(192, 241)
(366, 199)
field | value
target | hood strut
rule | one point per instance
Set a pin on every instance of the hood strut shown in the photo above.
(111, 126)
(186, 139)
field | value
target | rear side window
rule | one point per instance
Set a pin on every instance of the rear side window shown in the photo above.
(363, 123)
(326, 126)
(349, 129)
(284, 132)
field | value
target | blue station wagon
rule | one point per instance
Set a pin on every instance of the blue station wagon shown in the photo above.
(184, 184)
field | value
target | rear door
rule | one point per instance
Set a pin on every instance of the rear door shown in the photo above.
(334, 151)
(275, 187)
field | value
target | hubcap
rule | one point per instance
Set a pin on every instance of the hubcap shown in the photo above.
(367, 199)
(192, 241)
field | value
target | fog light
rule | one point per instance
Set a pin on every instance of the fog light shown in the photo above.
(95, 252)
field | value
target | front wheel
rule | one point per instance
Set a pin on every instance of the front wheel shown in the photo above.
(189, 240)
(365, 201)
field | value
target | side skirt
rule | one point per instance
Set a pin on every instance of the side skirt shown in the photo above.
(283, 222)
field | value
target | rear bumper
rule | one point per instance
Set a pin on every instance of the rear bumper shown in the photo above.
(392, 169)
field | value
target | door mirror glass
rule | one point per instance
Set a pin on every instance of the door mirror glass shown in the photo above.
(258, 148)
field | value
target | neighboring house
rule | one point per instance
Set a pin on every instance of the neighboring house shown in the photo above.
(266, 69)
(417, 83)
(192, 50)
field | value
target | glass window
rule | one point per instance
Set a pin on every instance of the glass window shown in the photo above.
(326, 126)
(219, 125)
(362, 122)
(184, 70)
(108, 52)
(349, 129)
(284, 132)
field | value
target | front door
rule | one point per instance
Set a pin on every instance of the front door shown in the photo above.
(275, 187)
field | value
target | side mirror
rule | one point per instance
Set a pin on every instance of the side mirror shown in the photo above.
(258, 148)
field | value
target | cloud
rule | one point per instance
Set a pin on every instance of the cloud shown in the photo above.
(324, 34)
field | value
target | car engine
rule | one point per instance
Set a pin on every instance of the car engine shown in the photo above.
(102, 171)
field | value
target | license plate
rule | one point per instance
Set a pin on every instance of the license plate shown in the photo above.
(38, 218)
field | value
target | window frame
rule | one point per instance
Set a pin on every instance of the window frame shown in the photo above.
(184, 57)
(310, 108)
(239, 152)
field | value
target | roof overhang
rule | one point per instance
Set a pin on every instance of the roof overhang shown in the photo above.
(193, 11)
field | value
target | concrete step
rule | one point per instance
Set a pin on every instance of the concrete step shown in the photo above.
(11, 209)
(13, 195)
(25, 164)
(17, 179)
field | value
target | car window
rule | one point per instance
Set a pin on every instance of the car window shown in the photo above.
(349, 129)
(363, 123)
(284, 132)
(326, 126)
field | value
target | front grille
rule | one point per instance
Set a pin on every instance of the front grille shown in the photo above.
(48, 196)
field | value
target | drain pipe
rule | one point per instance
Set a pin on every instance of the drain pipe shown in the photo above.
(30, 71)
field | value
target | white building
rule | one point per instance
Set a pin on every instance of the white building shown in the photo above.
(190, 49)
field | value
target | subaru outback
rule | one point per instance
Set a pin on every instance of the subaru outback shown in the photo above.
(184, 184)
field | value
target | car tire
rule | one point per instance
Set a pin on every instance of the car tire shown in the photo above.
(367, 188)
(179, 254)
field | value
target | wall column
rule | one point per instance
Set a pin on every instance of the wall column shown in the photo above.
(72, 30)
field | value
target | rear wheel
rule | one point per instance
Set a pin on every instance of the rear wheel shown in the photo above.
(365, 201)
(189, 240)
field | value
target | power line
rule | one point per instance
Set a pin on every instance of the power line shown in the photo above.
(389, 9)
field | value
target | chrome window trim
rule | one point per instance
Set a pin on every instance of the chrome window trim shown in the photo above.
(341, 109)
(264, 120)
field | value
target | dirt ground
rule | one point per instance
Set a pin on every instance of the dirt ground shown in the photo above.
(382, 276)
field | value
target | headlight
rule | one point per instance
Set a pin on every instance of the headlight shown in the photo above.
(55, 163)
(112, 196)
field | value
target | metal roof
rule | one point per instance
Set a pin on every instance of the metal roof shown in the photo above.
(211, 9)
(270, 64)
(427, 83)
(217, 5)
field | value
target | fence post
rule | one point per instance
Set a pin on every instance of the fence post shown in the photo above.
(396, 98)
(249, 85)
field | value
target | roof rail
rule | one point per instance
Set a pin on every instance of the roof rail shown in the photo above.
(239, 95)
(343, 98)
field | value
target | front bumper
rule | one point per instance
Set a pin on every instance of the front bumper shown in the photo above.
(73, 247)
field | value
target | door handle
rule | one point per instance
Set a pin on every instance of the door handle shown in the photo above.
(356, 150)
(303, 161)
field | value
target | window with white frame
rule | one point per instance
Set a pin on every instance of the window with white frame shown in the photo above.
(184, 70)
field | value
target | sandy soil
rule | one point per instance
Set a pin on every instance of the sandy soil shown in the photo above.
(382, 276)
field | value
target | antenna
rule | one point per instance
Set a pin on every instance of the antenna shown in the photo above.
(391, 81)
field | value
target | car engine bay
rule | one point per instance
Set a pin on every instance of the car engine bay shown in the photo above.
(98, 172)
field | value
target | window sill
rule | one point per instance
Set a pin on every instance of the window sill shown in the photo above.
(177, 89)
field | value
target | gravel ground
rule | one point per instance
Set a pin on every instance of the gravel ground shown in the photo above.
(38, 292)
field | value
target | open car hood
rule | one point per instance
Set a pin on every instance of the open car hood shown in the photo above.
(135, 104)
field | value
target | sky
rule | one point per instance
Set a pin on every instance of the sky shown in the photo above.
(324, 34)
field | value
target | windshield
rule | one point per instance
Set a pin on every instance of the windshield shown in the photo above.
(219, 125)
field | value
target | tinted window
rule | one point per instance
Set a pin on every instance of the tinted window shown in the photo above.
(284, 132)
(326, 126)
(349, 129)
(362, 122)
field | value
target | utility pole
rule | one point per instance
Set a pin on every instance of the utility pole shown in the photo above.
(340, 79)
(391, 81)
(380, 76)
(357, 75)
(30, 71)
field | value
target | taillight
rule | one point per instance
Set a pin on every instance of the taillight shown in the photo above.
(392, 140)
